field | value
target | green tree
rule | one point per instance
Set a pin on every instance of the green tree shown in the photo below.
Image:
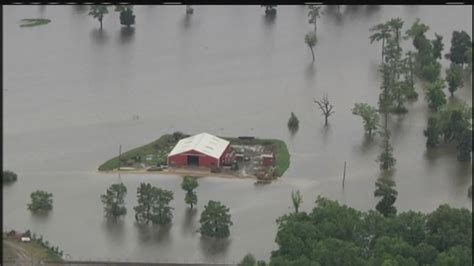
(460, 44)
(333, 251)
(385, 189)
(326, 108)
(417, 33)
(311, 40)
(432, 133)
(215, 220)
(189, 184)
(454, 78)
(162, 212)
(146, 197)
(40, 201)
(248, 260)
(425, 254)
(409, 71)
(381, 33)
(314, 13)
(435, 95)
(386, 159)
(114, 200)
(457, 255)
(98, 12)
(9, 177)
(395, 25)
(448, 227)
(297, 199)
(438, 46)
(127, 18)
(293, 122)
(469, 59)
(369, 116)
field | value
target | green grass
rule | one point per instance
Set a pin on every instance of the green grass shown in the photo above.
(162, 146)
(158, 148)
(34, 249)
(31, 22)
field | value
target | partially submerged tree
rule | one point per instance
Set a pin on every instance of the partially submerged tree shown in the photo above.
(162, 212)
(460, 44)
(40, 201)
(189, 10)
(369, 116)
(435, 95)
(114, 200)
(326, 107)
(189, 184)
(127, 18)
(454, 78)
(386, 159)
(270, 10)
(293, 122)
(381, 33)
(310, 39)
(297, 199)
(215, 220)
(314, 13)
(98, 12)
(385, 189)
(395, 25)
(146, 197)
(9, 177)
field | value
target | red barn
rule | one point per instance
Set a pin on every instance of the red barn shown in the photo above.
(202, 150)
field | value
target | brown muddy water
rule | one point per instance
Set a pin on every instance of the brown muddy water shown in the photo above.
(71, 92)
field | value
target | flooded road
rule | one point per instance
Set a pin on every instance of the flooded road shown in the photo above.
(71, 91)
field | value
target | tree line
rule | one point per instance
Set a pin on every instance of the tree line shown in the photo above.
(335, 234)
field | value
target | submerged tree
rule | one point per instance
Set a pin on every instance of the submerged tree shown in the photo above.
(215, 220)
(454, 78)
(395, 25)
(9, 177)
(310, 39)
(369, 116)
(326, 107)
(435, 95)
(293, 122)
(297, 199)
(464, 146)
(385, 189)
(386, 159)
(114, 200)
(189, 184)
(270, 10)
(432, 133)
(146, 197)
(162, 212)
(460, 44)
(381, 33)
(40, 201)
(127, 18)
(314, 13)
(98, 12)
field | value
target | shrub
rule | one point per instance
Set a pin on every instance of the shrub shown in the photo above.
(9, 176)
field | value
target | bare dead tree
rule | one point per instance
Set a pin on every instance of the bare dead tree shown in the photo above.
(326, 107)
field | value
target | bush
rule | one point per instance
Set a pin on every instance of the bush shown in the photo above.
(9, 176)
(41, 201)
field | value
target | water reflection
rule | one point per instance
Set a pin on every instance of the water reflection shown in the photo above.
(214, 248)
(126, 34)
(99, 36)
(155, 233)
(41, 217)
(368, 144)
(310, 71)
(269, 20)
(189, 223)
(114, 227)
(79, 9)
(372, 9)
(41, 9)
(186, 21)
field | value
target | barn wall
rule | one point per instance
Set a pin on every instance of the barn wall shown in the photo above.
(221, 159)
(182, 159)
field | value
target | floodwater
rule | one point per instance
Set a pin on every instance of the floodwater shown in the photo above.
(71, 91)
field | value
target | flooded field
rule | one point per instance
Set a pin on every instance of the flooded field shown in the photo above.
(72, 93)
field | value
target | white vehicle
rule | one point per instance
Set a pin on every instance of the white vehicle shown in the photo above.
(25, 239)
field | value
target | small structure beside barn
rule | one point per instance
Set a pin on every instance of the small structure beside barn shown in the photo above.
(268, 159)
(201, 150)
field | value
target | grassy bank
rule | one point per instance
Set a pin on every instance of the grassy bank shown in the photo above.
(156, 153)
(31, 22)
(13, 250)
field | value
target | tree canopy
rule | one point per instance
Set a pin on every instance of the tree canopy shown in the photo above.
(215, 220)
(40, 201)
(114, 200)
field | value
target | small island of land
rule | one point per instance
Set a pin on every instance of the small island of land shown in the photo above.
(264, 159)
(31, 22)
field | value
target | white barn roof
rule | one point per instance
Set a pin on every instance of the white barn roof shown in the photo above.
(204, 143)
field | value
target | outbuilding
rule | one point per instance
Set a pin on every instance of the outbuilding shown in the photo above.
(201, 150)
